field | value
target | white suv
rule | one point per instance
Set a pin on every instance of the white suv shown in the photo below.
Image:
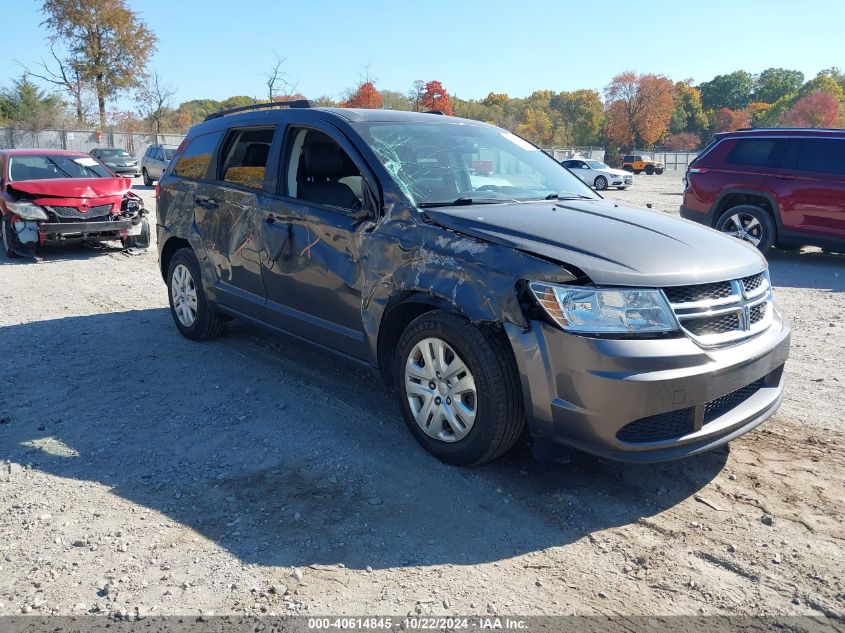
(155, 160)
(596, 174)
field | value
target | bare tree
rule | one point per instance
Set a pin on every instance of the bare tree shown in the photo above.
(279, 84)
(66, 76)
(155, 102)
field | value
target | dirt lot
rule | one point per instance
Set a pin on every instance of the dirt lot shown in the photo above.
(148, 474)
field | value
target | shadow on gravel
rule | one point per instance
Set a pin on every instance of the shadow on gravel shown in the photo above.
(809, 269)
(285, 456)
(71, 252)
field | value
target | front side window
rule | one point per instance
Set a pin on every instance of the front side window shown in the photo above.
(245, 157)
(55, 166)
(319, 171)
(194, 161)
(822, 155)
(441, 163)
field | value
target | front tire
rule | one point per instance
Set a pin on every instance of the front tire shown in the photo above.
(188, 306)
(649, 169)
(138, 241)
(5, 229)
(600, 183)
(658, 171)
(473, 413)
(751, 224)
(147, 180)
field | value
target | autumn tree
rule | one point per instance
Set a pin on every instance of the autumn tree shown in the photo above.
(108, 42)
(818, 109)
(535, 125)
(365, 96)
(580, 116)
(436, 98)
(688, 115)
(155, 102)
(727, 120)
(682, 141)
(639, 108)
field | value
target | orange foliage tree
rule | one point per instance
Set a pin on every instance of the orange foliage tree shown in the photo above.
(682, 141)
(639, 107)
(727, 120)
(365, 96)
(817, 109)
(435, 97)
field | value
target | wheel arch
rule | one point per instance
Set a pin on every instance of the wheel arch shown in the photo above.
(169, 248)
(735, 196)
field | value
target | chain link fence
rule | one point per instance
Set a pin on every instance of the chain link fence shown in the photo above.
(83, 140)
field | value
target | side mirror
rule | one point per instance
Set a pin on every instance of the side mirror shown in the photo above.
(585, 166)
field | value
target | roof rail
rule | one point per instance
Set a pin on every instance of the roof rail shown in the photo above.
(789, 129)
(301, 103)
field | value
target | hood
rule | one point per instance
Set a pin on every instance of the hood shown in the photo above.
(613, 245)
(74, 187)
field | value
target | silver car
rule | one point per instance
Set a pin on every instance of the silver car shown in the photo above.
(155, 160)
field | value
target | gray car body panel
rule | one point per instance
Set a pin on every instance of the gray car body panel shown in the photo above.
(611, 244)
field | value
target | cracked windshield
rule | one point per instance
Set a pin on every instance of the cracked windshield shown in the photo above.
(439, 164)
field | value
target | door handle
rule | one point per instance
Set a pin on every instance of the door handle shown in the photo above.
(206, 203)
(782, 177)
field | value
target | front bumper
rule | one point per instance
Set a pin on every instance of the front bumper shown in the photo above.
(92, 227)
(646, 400)
(702, 217)
(135, 170)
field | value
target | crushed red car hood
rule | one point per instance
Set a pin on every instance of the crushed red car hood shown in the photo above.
(74, 187)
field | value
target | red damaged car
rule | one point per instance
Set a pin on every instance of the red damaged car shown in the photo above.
(63, 197)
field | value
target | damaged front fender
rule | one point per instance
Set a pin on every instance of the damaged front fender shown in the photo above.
(475, 278)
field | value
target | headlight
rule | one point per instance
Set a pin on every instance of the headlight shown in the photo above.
(605, 311)
(27, 210)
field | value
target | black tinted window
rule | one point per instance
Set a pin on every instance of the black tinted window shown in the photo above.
(194, 161)
(754, 152)
(246, 157)
(822, 155)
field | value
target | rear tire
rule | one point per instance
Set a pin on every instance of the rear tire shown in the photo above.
(5, 229)
(638, 171)
(147, 180)
(488, 418)
(751, 224)
(628, 168)
(600, 183)
(189, 308)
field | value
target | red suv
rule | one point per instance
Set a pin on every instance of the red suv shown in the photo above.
(780, 188)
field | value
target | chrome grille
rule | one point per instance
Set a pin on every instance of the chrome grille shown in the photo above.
(76, 213)
(724, 312)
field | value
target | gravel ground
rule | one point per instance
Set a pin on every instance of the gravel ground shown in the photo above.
(146, 474)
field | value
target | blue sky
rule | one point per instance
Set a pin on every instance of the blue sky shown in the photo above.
(218, 48)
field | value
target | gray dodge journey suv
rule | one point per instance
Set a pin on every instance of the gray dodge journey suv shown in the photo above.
(488, 286)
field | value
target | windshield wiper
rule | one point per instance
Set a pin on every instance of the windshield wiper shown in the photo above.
(567, 195)
(462, 202)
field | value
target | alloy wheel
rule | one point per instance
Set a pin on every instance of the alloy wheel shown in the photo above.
(183, 291)
(441, 390)
(745, 227)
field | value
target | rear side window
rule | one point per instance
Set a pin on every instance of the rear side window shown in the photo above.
(754, 153)
(246, 156)
(628, 158)
(822, 155)
(194, 161)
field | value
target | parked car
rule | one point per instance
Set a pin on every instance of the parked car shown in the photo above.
(118, 160)
(619, 331)
(596, 174)
(637, 164)
(771, 187)
(155, 160)
(63, 197)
